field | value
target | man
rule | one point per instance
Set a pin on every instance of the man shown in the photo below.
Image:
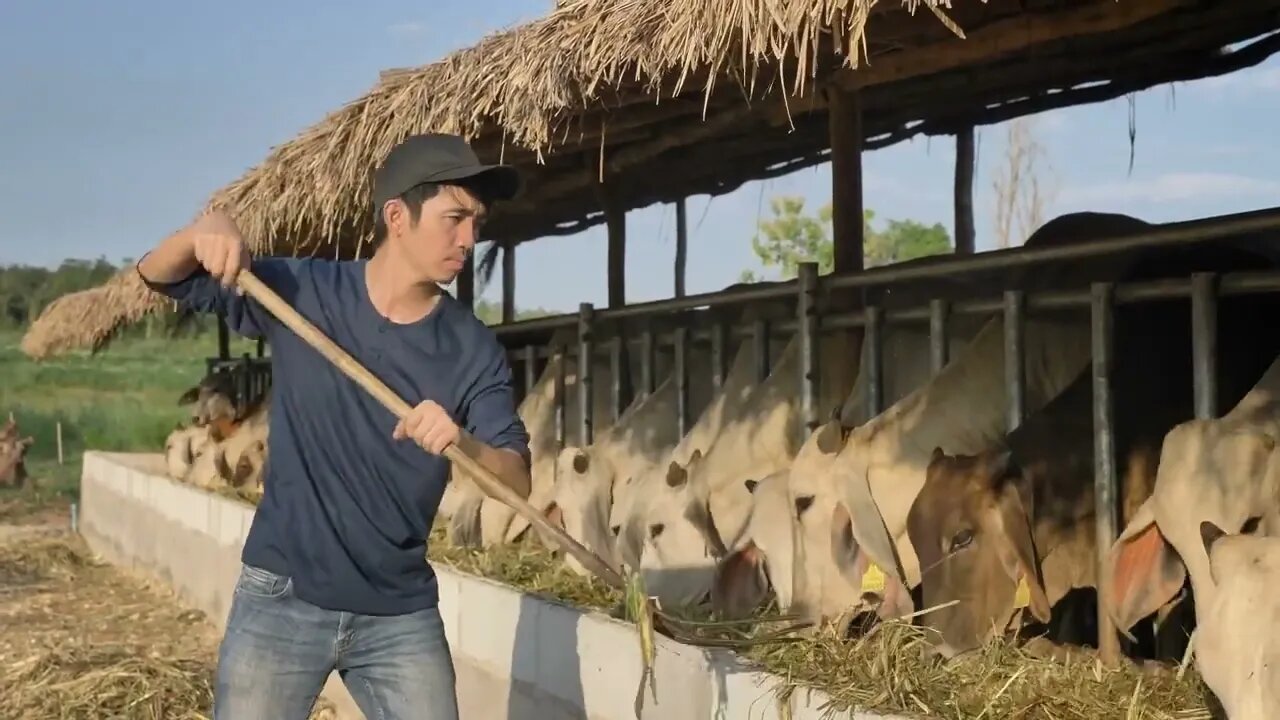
(334, 572)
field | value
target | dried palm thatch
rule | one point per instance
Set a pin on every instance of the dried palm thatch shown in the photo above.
(88, 319)
(515, 87)
(84, 640)
(513, 92)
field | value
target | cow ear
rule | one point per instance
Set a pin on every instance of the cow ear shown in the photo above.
(937, 455)
(189, 396)
(581, 462)
(699, 515)
(1018, 551)
(739, 585)
(829, 439)
(677, 476)
(999, 462)
(867, 524)
(1145, 571)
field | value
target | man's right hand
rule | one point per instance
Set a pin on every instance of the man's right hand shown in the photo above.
(219, 247)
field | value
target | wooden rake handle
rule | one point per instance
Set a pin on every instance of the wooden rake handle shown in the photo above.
(482, 477)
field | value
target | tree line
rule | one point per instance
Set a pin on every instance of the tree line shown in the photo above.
(26, 290)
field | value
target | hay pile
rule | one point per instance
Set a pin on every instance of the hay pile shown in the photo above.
(85, 640)
(885, 670)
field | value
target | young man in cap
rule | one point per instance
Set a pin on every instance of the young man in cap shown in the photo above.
(334, 573)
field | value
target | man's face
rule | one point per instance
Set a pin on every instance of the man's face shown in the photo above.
(436, 247)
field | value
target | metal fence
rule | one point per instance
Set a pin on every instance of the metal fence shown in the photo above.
(609, 328)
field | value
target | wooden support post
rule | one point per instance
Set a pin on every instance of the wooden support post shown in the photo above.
(466, 282)
(682, 246)
(845, 133)
(509, 283)
(617, 224)
(59, 429)
(966, 159)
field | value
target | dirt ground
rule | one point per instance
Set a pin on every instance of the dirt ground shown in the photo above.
(83, 639)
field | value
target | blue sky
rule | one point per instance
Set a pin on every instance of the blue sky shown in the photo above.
(117, 120)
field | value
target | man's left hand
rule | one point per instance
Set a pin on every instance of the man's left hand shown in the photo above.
(429, 426)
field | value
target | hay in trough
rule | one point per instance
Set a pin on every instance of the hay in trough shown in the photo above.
(884, 670)
(85, 640)
(526, 567)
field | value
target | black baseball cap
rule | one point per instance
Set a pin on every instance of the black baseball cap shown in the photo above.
(439, 158)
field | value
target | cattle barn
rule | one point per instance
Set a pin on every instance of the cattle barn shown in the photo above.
(609, 107)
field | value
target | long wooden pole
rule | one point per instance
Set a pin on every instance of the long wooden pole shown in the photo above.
(481, 476)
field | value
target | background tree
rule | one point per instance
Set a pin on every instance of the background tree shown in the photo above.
(1022, 192)
(791, 237)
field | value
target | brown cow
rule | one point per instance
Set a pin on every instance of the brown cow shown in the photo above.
(985, 524)
(13, 451)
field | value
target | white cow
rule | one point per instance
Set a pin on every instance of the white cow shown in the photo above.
(475, 519)
(182, 446)
(765, 551)
(1225, 471)
(633, 493)
(1237, 652)
(585, 477)
(229, 454)
(689, 514)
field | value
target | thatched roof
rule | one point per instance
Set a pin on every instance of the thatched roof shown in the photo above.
(647, 101)
(89, 318)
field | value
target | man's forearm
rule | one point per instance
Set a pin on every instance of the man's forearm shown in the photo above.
(507, 465)
(171, 260)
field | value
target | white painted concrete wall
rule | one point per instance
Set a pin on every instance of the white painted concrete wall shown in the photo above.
(516, 656)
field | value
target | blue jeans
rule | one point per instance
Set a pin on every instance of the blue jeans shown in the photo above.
(278, 651)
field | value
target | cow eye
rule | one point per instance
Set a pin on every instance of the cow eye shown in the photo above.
(615, 529)
(803, 502)
(656, 529)
(961, 540)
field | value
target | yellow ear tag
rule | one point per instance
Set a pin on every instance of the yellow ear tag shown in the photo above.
(873, 579)
(1022, 596)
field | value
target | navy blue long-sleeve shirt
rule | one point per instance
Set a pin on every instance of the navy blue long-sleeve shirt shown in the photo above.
(346, 509)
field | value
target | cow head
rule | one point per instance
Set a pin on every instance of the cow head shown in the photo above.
(679, 539)
(13, 452)
(580, 501)
(970, 528)
(762, 560)
(211, 400)
(1235, 638)
(819, 586)
(1207, 472)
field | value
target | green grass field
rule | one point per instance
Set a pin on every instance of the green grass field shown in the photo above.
(125, 398)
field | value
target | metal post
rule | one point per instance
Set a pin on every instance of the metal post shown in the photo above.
(647, 360)
(719, 334)
(874, 337)
(760, 346)
(224, 338)
(807, 315)
(560, 358)
(1204, 343)
(938, 341)
(585, 381)
(530, 368)
(682, 379)
(1104, 465)
(262, 346)
(615, 366)
(1014, 360)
